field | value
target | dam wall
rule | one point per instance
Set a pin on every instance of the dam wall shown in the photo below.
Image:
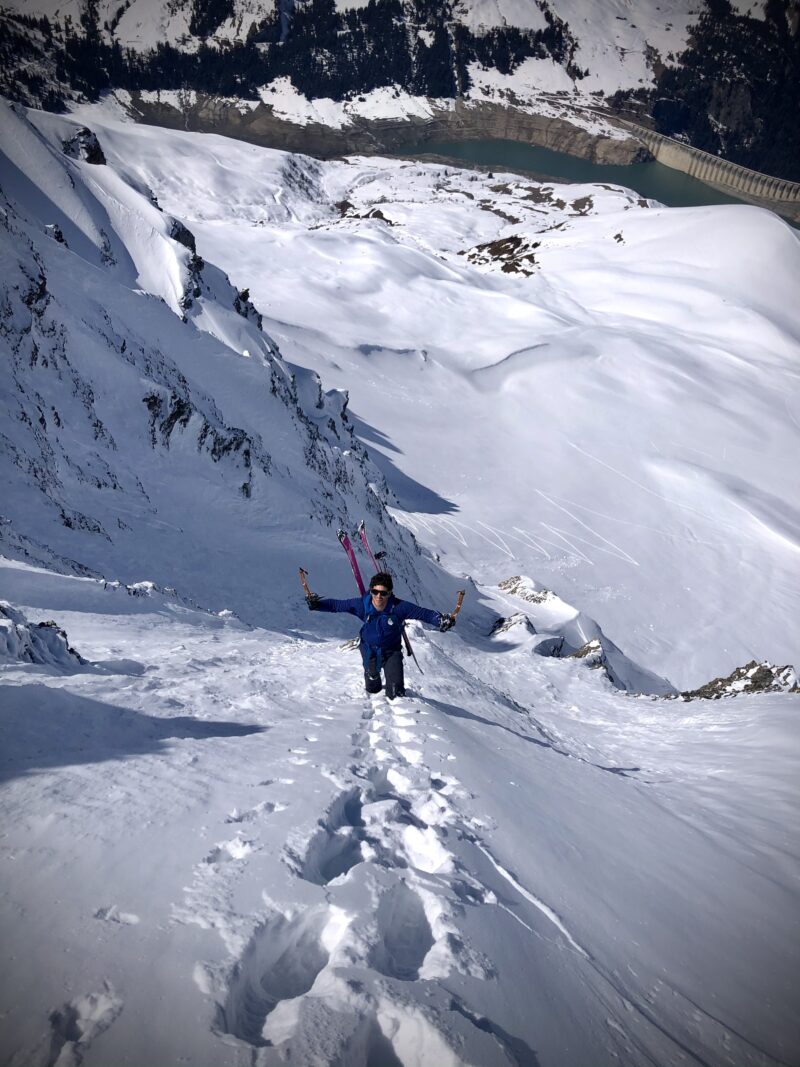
(748, 184)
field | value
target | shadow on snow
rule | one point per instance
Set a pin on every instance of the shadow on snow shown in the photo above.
(42, 728)
(411, 495)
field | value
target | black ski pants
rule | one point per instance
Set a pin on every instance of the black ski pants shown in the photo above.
(392, 666)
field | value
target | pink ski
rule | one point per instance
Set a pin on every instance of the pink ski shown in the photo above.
(362, 529)
(344, 541)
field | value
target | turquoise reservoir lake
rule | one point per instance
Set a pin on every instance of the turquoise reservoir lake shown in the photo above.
(651, 180)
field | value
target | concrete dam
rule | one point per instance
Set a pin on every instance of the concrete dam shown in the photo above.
(776, 193)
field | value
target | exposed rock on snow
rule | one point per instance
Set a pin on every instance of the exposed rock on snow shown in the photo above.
(85, 146)
(753, 677)
(34, 642)
(560, 631)
(514, 253)
(592, 652)
(526, 589)
(603, 655)
(54, 230)
(518, 622)
(182, 234)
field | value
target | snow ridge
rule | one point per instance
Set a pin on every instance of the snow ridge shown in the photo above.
(123, 338)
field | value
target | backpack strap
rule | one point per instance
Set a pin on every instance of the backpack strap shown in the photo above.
(371, 613)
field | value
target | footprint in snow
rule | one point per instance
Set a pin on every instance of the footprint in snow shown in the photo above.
(404, 932)
(75, 1025)
(281, 962)
(226, 851)
(335, 847)
(266, 807)
(112, 914)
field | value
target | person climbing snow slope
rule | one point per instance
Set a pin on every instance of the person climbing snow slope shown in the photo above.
(381, 635)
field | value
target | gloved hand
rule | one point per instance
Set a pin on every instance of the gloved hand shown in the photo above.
(447, 623)
(313, 601)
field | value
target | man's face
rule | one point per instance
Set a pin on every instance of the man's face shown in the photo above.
(380, 595)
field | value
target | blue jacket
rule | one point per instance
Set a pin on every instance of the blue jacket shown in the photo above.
(382, 630)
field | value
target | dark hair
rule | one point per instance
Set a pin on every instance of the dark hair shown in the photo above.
(381, 578)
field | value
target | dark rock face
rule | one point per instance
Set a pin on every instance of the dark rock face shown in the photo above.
(183, 235)
(54, 230)
(85, 146)
(465, 121)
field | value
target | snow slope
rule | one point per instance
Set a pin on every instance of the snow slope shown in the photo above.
(605, 401)
(150, 427)
(242, 859)
(216, 849)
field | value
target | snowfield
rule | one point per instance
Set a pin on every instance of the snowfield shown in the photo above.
(625, 375)
(577, 405)
(513, 865)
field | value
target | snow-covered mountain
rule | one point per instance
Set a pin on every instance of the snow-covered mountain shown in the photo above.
(487, 330)
(147, 411)
(576, 404)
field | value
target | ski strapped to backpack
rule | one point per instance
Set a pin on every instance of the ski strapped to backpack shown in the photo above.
(344, 541)
(362, 532)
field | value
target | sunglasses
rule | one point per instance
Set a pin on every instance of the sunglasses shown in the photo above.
(380, 592)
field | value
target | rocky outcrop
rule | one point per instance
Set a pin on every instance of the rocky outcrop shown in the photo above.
(526, 589)
(753, 677)
(259, 125)
(518, 622)
(34, 642)
(85, 146)
(183, 235)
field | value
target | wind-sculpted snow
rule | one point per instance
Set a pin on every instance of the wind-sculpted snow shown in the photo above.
(41, 642)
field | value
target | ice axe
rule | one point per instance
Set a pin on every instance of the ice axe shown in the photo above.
(303, 576)
(459, 602)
